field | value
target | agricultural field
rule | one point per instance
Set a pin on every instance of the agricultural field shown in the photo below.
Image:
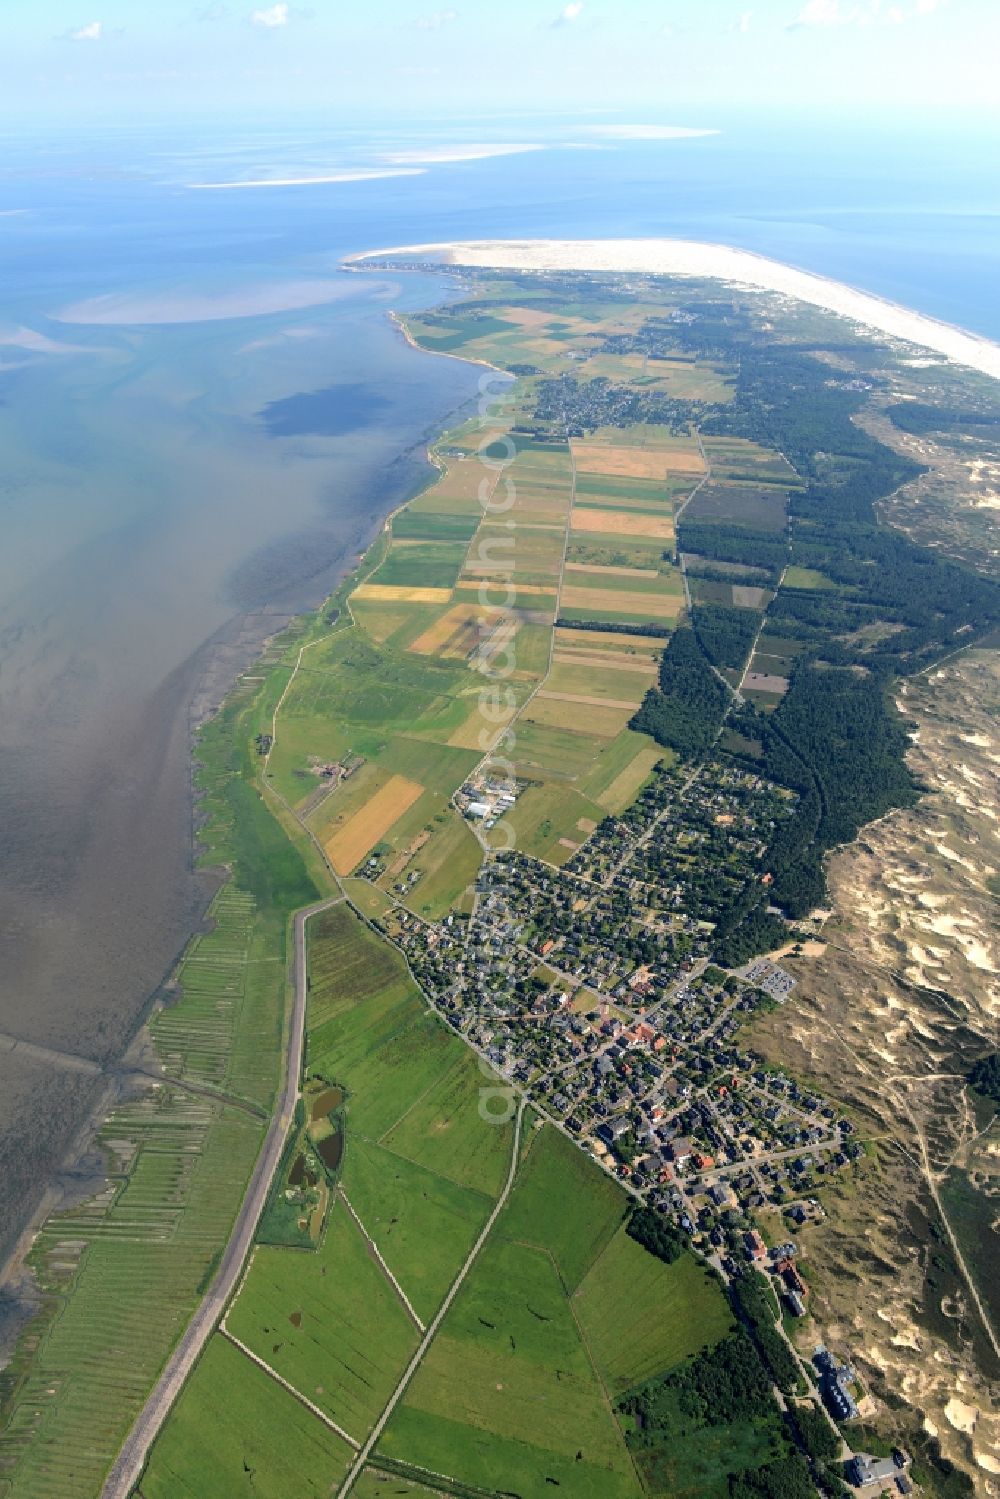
(760, 508)
(737, 460)
(328, 1322)
(515, 1392)
(642, 1317)
(235, 1430)
(423, 1223)
(120, 1272)
(657, 459)
(563, 1205)
(506, 1396)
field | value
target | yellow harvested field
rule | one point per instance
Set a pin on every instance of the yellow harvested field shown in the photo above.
(473, 585)
(608, 640)
(477, 732)
(625, 786)
(391, 593)
(612, 572)
(526, 317)
(622, 523)
(590, 702)
(609, 600)
(457, 632)
(636, 463)
(643, 664)
(601, 720)
(369, 823)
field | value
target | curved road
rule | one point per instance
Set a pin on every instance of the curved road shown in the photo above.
(127, 1470)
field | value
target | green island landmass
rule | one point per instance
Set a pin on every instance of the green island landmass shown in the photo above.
(564, 756)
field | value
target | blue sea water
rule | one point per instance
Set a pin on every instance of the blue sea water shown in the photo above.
(164, 487)
(906, 208)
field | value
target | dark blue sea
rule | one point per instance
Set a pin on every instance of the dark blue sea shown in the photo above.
(174, 482)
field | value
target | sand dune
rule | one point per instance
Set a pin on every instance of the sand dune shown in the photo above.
(679, 257)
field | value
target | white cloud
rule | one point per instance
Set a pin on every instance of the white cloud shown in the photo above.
(274, 15)
(435, 154)
(651, 132)
(827, 13)
(92, 32)
(569, 13)
(744, 22)
(436, 20)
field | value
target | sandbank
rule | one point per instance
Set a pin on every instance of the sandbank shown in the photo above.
(678, 257)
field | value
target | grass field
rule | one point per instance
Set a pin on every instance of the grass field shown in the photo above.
(328, 1321)
(546, 821)
(649, 647)
(423, 1224)
(565, 1205)
(642, 1317)
(235, 1432)
(426, 564)
(447, 865)
(807, 577)
(506, 1397)
(349, 965)
(444, 1131)
(412, 1085)
(375, 1484)
(592, 719)
(600, 683)
(622, 769)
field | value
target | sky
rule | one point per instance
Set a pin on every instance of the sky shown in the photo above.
(683, 59)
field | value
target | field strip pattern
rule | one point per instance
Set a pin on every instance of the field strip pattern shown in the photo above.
(119, 1277)
(199, 1040)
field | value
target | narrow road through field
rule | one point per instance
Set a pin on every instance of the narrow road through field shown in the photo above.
(127, 1469)
(356, 1467)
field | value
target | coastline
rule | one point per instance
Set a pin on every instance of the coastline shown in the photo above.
(206, 683)
(397, 321)
(677, 257)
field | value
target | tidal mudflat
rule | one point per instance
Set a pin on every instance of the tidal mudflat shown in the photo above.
(158, 530)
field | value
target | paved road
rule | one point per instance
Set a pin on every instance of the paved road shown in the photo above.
(428, 1337)
(127, 1470)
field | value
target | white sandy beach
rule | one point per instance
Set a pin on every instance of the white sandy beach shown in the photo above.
(678, 257)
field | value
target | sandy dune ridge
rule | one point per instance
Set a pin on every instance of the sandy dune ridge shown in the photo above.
(678, 257)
